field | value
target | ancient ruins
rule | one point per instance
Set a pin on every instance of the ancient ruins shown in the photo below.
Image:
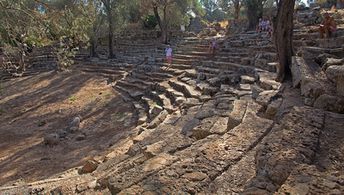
(204, 125)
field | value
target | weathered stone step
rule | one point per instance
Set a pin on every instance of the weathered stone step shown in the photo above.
(293, 142)
(143, 83)
(161, 75)
(176, 98)
(235, 179)
(268, 48)
(135, 94)
(198, 164)
(265, 65)
(315, 51)
(206, 70)
(176, 65)
(153, 106)
(187, 90)
(145, 77)
(173, 71)
(131, 85)
(177, 60)
(168, 105)
(311, 79)
(228, 66)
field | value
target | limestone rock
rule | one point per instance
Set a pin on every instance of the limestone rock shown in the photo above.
(204, 113)
(89, 167)
(272, 108)
(159, 119)
(62, 134)
(236, 116)
(75, 124)
(154, 149)
(195, 176)
(80, 137)
(256, 90)
(293, 142)
(269, 84)
(189, 126)
(330, 103)
(245, 87)
(52, 139)
(265, 97)
(155, 111)
(220, 126)
(247, 79)
(296, 71)
(215, 82)
(202, 130)
(332, 61)
(322, 58)
(334, 72)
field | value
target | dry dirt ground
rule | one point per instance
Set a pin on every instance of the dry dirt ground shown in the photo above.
(35, 106)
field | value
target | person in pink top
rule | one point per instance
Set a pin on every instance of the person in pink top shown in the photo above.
(168, 52)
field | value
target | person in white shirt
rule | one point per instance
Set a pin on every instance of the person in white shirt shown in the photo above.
(168, 52)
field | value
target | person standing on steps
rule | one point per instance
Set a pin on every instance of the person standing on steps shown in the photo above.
(168, 52)
(328, 27)
(212, 47)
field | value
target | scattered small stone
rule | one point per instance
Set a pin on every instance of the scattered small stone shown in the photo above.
(246, 87)
(45, 158)
(42, 123)
(62, 134)
(195, 176)
(51, 139)
(80, 137)
(247, 79)
(256, 90)
(89, 167)
(81, 188)
(75, 124)
(56, 191)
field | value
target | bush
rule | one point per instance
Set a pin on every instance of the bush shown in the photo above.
(150, 22)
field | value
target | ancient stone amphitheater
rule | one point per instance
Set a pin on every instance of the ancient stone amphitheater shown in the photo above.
(219, 125)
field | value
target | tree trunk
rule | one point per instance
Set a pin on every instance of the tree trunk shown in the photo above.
(93, 42)
(237, 7)
(283, 37)
(162, 23)
(157, 16)
(93, 52)
(165, 27)
(254, 12)
(111, 54)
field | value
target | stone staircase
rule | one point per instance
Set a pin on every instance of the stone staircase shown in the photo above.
(318, 67)
(214, 125)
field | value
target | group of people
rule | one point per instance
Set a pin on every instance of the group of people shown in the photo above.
(265, 25)
(326, 29)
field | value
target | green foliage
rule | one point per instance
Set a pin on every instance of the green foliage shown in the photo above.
(150, 22)
(72, 99)
(65, 53)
